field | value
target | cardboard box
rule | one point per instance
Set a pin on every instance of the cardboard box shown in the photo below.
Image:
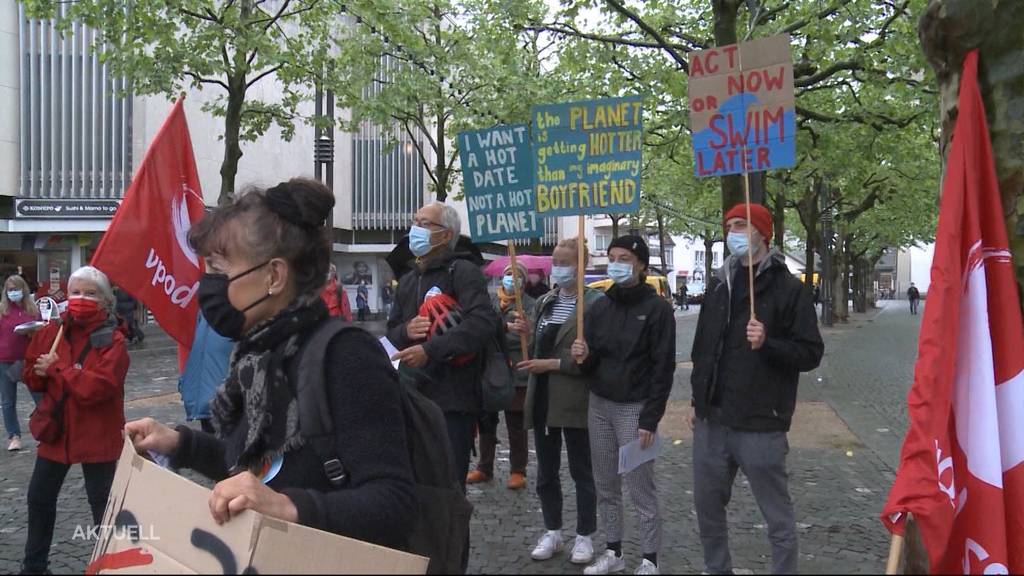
(157, 522)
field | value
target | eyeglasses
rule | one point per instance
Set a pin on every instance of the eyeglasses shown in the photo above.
(427, 224)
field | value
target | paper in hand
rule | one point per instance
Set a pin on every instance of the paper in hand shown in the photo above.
(390, 349)
(631, 455)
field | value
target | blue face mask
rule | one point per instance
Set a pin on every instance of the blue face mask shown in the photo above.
(620, 272)
(562, 275)
(738, 244)
(419, 241)
(14, 295)
(508, 283)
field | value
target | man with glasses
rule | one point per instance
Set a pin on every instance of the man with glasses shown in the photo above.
(444, 363)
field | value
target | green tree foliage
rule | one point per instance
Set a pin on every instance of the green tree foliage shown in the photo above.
(163, 47)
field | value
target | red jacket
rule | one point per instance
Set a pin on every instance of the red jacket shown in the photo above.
(12, 346)
(336, 300)
(94, 392)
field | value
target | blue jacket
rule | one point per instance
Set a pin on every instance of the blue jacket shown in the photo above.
(206, 368)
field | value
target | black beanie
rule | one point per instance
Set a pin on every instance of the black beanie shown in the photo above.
(634, 244)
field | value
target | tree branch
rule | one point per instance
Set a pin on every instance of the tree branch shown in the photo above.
(821, 15)
(826, 73)
(679, 58)
(263, 75)
(208, 18)
(204, 80)
(568, 30)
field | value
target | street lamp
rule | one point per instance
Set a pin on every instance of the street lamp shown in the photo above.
(323, 147)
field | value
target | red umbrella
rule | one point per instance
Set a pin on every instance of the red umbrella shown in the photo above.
(497, 267)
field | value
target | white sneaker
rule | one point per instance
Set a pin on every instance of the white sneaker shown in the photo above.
(15, 444)
(549, 544)
(607, 563)
(647, 567)
(582, 551)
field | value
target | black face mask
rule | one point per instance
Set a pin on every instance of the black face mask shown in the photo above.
(222, 316)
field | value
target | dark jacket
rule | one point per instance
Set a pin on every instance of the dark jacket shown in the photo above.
(457, 274)
(754, 390)
(93, 414)
(568, 397)
(377, 504)
(512, 340)
(632, 338)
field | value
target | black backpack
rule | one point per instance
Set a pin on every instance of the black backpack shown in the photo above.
(441, 532)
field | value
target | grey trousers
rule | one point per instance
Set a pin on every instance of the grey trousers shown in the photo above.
(718, 451)
(612, 425)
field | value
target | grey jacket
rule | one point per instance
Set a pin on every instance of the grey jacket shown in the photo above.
(567, 387)
(512, 340)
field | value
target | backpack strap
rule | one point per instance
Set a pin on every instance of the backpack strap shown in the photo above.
(315, 421)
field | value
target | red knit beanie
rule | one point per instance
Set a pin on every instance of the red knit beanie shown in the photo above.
(760, 218)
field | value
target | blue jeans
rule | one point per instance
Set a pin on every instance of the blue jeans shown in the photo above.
(9, 401)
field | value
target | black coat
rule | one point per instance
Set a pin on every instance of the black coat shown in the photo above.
(455, 388)
(745, 389)
(378, 503)
(632, 338)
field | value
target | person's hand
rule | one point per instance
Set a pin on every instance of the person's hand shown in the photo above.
(245, 492)
(519, 325)
(755, 334)
(148, 434)
(646, 438)
(413, 356)
(44, 362)
(580, 351)
(417, 328)
(539, 366)
(691, 418)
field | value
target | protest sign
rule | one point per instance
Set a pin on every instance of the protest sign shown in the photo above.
(157, 522)
(587, 156)
(497, 175)
(742, 108)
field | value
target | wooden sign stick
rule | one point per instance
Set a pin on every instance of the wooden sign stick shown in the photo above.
(750, 243)
(581, 268)
(519, 297)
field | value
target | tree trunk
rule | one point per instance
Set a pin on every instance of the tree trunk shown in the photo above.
(615, 225)
(948, 30)
(725, 14)
(441, 168)
(709, 255)
(661, 244)
(232, 145)
(872, 297)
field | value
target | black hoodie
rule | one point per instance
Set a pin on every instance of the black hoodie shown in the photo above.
(632, 340)
(454, 388)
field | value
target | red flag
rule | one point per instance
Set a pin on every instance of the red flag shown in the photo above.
(961, 473)
(145, 250)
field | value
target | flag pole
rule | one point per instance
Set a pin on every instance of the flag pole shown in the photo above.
(519, 297)
(892, 566)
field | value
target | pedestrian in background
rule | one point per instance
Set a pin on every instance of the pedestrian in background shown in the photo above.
(334, 296)
(488, 424)
(127, 308)
(914, 296)
(629, 350)
(745, 375)
(16, 307)
(81, 415)
(266, 260)
(556, 408)
(442, 356)
(362, 300)
(535, 286)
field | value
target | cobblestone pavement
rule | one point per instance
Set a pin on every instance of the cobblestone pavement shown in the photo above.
(840, 467)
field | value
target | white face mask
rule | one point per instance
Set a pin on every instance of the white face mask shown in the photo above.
(15, 295)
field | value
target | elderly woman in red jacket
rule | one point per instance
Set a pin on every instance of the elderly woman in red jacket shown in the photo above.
(80, 418)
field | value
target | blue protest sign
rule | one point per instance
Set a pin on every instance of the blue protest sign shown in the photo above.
(587, 156)
(497, 175)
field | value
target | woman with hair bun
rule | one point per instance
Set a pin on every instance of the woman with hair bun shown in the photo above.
(267, 256)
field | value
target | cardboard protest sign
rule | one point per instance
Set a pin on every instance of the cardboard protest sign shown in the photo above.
(157, 522)
(742, 108)
(587, 156)
(497, 174)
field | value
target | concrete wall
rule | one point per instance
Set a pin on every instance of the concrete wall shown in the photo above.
(9, 103)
